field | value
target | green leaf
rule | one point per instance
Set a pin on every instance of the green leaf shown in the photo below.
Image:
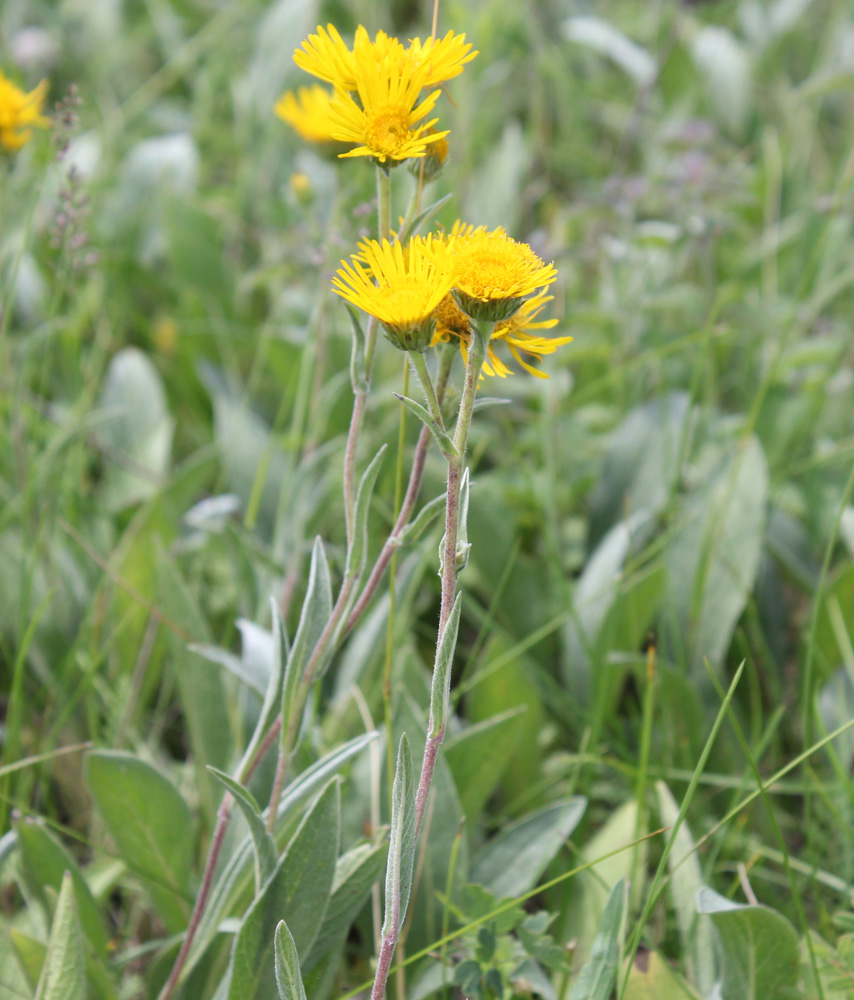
(151, 825)
(401, 847)
(425, 517)
(597, 976)
(358, 372)
(479, 755)
(654, 980)
(355, 874)
(511, 863)
(140, 429)
(234, 884)
(300, 886)
(686, 880)
(759, 949)
(47, 863)
(441, 685)
(200, 688)
(262, 840)
(603, 37)
(423, 217)
(712, 562)
(64, 972)
(316, 611)
(446, 445)
(359, 550)
(273, 696)
(288, 975)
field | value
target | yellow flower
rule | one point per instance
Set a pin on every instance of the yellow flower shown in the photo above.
(400, 286)
(385, 121)
(18, 111)
(452, 321)
(307, 111)
(493, 274)
(441, 59)
(325, 55)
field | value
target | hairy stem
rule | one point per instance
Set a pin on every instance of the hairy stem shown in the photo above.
(456, 466)
(413, 488)
(222, 817)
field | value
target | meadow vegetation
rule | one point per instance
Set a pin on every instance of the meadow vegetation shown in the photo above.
(217, 629)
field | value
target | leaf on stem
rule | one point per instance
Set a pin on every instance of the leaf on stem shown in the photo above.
(262, 841)
(422, 218)
(597, 977)
(425, 517)
(446, 445)
(358, 368)
(316, 611)
(401, 848)
(273, 695)
(442, 670)
(288, 975)
(64, 971)
(359, 549)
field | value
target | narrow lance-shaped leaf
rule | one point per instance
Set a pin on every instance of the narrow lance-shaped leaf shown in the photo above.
(273, 695)
(423, 217)
(288, 975)
(262, 840)
(401, 848)
(442, 671)
(316, 611)
(463, 544)
(425, 517)
(446, 445)
(64, 972)
(597, 977)
(359, 549)
(358, 370)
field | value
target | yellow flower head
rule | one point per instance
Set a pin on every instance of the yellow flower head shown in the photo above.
(307, 111)
(452, 321)
(494, 274)
(400, 286)
(440, 59)
(18, 111)
(325, 55)
(384, 124)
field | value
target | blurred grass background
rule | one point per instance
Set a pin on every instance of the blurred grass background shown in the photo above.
(178, 402)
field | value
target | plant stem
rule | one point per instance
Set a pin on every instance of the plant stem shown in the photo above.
(222, 818)
(456, 465)
(446, 359)
(419, 364)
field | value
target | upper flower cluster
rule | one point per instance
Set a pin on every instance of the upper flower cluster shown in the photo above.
(18, 112)
(378, 103)
(445, 286)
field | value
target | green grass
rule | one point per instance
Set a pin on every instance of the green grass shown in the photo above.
(172, 424)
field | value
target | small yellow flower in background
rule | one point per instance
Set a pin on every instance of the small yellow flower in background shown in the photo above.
(493, 274)
(307, 111)
(385, 125)
(165, 335)
(19, 111)
(452, 321)
(400, 286)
